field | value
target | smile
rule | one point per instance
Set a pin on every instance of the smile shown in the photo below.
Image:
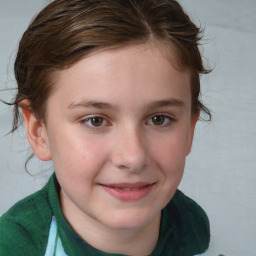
(128, 191)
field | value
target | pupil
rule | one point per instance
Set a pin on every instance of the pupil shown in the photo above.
(97, 121)
(158, 120)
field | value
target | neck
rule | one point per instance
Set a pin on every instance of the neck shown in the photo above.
(136, 242)
(129, 241)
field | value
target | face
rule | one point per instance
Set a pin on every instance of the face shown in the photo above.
(118, 130)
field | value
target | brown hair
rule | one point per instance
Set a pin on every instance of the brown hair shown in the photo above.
(66, 31)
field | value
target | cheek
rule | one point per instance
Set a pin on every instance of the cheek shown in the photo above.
(172, 150)
(170, 159)
(171, 162)
(77, 162)
(170, 155)
(75, 154)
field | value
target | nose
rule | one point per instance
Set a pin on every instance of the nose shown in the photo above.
(130, 151)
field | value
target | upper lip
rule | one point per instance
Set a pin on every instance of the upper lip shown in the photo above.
(128, 185)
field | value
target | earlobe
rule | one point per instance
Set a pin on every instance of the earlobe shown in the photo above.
(36, 133)
(192, 129)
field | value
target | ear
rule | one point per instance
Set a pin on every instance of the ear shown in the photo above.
(194, 120)
(36, 133)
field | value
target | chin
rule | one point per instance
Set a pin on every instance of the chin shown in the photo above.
(129, 219)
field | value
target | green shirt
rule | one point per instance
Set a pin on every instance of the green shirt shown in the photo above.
(24, 229)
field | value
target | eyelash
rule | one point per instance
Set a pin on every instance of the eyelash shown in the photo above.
(103, 122)
(90, 119)
(166, 119)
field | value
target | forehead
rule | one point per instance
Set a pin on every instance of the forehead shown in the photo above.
(128, 72)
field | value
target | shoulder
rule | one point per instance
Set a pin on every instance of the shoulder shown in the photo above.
(189, 210)
(192, 224)
(24, 227)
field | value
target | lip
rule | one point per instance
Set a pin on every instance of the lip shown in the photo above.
(128, 191)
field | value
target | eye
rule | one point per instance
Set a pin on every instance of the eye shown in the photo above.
(95, 121)
(159, 120)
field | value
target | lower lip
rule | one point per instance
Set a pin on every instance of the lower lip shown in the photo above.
(128, 195)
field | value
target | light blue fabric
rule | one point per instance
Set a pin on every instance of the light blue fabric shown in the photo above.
(54, 245)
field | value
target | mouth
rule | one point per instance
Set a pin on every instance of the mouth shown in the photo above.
(128, 191)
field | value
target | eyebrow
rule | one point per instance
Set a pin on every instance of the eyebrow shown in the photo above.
(91, 104)
(166, 103)
(104, 105)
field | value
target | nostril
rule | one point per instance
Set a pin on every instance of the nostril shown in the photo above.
(123, 167)
(130, 152)
(129, 162)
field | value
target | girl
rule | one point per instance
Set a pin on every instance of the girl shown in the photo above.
(109, 91)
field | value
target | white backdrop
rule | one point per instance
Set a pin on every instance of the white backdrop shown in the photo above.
(220, 172)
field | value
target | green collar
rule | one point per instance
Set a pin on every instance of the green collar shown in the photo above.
(184, 228)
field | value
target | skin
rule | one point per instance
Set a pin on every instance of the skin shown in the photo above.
(142, 132)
